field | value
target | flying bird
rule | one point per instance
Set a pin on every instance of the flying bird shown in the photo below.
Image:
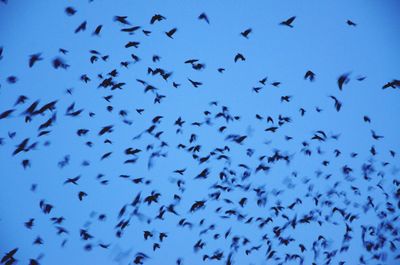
(342, 80)
(204, 17)
(171, 32)
(309, 75)
(246, 33)
(122, 19)
(157, 17)
(97, 31)
(195, 83)
(70, 11)
(288, 22)
(240, 57)
(34, 58)
(351, 23)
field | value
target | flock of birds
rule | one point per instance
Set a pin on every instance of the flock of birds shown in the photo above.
(236, 194)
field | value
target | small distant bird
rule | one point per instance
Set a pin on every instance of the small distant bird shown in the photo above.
(63, 51)
(257, 89)
(204, 17)
(375, 136)
(8, 258)
(195, 83)
(393, 84)
(246, 33)
(262, 81)
(21, 100)
(81, 195)
(351, 23)
(309, 75)
(367, 119)
(132, 44)
(180, 171)
(34, 58)
(342, 80)
(146, 32)
(156, 17)
(6, 113)
(96, 32)
(59, 63)
(276, 84)
(171, 32)
(338, 104)
(288, 22)
(72, 180)
(130, 30)
(29, 224)
(70, 11)
(122, 19)
(238, 57)
(81, 27)
(12, 79)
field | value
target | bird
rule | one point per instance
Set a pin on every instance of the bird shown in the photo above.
(122, 19)
(288, 22)
(338, 104)
(134, 44)
(81, 195)
(156, 17)
(342, 80)
(81, 27)
(97, 30)
(309, 75)
(180, 171)
(392, 84)
(70, 11)
(246, 33)
(6, 113)
(8, 258)
(197, 205)
(376, 136)
(171, 32)
(34, 58)
(195, 83)
(131, 30)
(203, 16)
(351, 23)
(29, 224)
(72, 180)
(240, 57)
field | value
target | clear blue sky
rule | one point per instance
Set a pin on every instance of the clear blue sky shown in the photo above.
(320, 40)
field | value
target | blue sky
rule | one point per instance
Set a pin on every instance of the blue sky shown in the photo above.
(320, 41)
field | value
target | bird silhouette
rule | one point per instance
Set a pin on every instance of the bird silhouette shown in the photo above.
(246, 32)
(288, 22)
(171, 32)
(203, 16)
